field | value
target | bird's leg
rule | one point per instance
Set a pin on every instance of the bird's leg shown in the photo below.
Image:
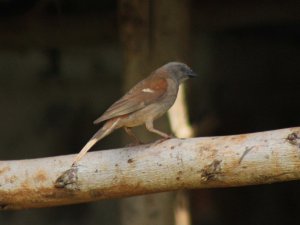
(149, 126)
(133, 136)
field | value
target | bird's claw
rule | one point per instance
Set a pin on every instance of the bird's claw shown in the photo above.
(170, 136)
(134, 144)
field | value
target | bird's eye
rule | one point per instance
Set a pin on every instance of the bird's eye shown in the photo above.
(183, 70)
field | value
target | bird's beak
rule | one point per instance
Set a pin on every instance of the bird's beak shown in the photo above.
(192, 74)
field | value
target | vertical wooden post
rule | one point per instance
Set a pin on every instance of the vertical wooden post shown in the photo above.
(153, 32)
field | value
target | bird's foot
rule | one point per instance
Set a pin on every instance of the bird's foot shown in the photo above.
(136, 143)
(170, 136)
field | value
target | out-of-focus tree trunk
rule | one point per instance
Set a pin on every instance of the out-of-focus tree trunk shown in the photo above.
(152, 33)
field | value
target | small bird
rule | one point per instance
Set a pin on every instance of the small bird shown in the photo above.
(146, 101)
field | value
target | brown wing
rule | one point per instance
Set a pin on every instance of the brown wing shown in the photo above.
(142, 94)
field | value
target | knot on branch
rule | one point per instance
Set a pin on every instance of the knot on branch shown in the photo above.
(211, 171)
(293, 139)
(68, 179)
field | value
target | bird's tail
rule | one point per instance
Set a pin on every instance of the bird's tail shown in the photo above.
(107, 128)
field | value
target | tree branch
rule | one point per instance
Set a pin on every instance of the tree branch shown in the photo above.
(226, 161)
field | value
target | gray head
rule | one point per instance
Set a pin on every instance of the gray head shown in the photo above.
(179, 71)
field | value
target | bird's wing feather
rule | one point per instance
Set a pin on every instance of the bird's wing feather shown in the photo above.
(142, 94)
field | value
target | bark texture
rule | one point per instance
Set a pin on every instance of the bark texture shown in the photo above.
(225, 161)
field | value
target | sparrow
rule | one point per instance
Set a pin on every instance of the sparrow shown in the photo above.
(145, 102)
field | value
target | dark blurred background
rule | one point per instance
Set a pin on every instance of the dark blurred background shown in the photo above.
(62, 65)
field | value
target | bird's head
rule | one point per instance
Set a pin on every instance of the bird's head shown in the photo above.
(179, 71)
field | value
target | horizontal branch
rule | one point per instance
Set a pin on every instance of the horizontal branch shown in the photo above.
(226, 161)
